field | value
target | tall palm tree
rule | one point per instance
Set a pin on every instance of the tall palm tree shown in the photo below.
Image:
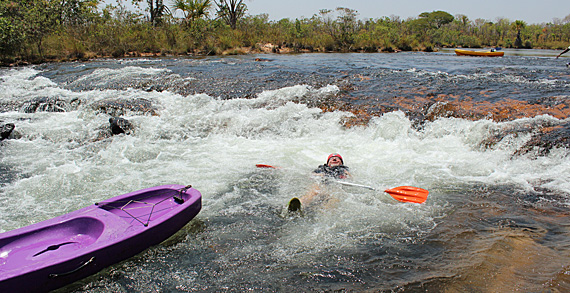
(231, 10)
(193, 9)
(157, 11)
(518, 25)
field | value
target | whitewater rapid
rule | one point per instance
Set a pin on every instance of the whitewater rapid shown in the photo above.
(58, 163)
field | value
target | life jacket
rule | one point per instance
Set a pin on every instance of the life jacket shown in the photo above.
(338, 172)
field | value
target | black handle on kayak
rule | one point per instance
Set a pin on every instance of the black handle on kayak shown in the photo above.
(178, 199)
(52, 276)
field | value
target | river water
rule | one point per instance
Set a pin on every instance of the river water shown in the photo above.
(487, 137)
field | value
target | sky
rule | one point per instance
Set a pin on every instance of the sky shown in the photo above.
(532, 12)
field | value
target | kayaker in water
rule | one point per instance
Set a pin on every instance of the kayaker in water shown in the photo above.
(334, 168)
(567, 49)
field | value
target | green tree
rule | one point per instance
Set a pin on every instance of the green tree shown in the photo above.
(193, 9)
(78, 12)
(437, 19)
(231, 10)
(342, 29)
(12, 34)
(463, 19)
(40, 19)
(518, 25)
(347, 27)
(420, 27)
(156, 9)
(427, 25)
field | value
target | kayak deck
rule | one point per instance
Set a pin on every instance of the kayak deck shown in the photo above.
(144, 207)
(57, 240)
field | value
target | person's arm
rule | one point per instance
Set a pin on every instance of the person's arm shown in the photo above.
(567, 49)
(346, 173)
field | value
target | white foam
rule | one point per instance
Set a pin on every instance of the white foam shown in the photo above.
(213, 143)
(103, 76)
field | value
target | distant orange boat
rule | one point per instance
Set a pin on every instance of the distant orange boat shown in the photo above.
(461, 52)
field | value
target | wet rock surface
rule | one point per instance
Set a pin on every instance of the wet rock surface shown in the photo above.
(125, 106)
(49, 104)
(426, 92)
(120, 125)
(6, 130)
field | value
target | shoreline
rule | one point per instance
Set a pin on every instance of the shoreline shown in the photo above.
(267, 48)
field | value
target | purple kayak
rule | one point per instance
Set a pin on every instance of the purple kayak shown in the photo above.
(56, 252)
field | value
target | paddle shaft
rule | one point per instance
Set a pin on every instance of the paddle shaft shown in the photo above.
(356, 185)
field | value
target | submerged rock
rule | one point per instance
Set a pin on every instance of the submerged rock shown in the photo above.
(120, 125)
(6, 130)
(117, 125)
(547, 139)
(48, 104)
(123, 106)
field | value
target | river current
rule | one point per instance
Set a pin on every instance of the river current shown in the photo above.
(488, 137)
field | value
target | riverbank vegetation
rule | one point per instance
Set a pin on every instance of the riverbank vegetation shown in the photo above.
(46, 30)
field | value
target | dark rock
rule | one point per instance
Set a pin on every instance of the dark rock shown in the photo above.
(120, 125)
(547, 139)
(47, 104)
(122, 106)
(6, 130)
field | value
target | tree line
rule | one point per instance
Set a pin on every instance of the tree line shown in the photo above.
(45, 30)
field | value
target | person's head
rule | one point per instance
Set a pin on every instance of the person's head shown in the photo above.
(334, 160)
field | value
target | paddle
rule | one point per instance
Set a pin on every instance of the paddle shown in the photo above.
(265, 166)
(568, 49)
(400, 193)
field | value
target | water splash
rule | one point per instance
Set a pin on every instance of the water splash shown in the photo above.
(480, 189)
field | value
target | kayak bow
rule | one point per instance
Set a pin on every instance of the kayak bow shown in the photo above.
(59, 251)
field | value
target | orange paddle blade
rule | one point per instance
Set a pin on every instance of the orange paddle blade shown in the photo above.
(408, 194)
(264, 166)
